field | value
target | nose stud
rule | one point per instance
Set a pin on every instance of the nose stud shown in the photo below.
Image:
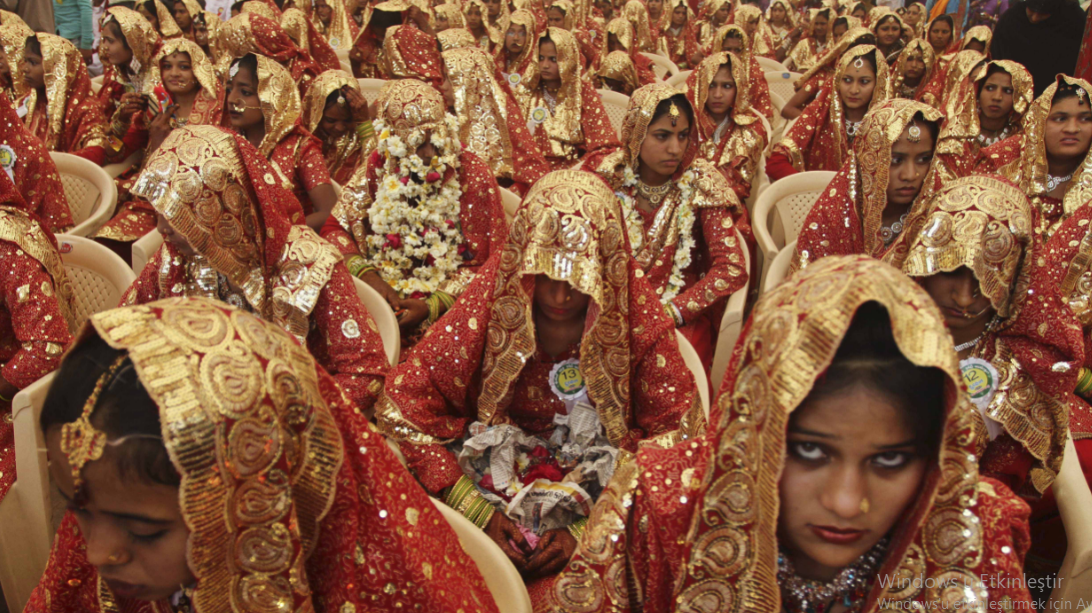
(865, 505)
(113, 558)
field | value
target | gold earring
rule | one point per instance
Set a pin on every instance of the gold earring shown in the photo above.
(865, 506)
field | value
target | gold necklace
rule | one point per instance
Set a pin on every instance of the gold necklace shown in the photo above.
(654, 195)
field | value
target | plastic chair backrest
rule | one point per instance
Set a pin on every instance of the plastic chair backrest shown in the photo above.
(511, 201)
(99, 276)
(777, 124)
(730, 324)
(662, 66)
(91, 193)
(384, 319)
(501, 576)
(693, 362)
(345, 64)
(96, 83)
(766, 63)
(1071, 491)
(615, 105)
(779, 268)
(115, 170)
(678, 80)
(370, 88)
(144, 249)
(782, 208)
(26, 531)
(780, 82)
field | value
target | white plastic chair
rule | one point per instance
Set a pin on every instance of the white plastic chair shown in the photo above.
(345, 64)
(144, 249)
(91, 192)
(777, 124)
(780, 82)
(766, 63)
(99, 277)
(781, 209)
(384, 318)
(678, 80)
(662, 66)
(1074, 502)
(501, 576)
(731, 323)
(779, 268)
(370, 88)
(96, 84)
(693, 362)
(615, 105)
(115, 170)
(25, 513)
(511, 201)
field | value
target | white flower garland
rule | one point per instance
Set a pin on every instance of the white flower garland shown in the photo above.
(684, 218)
(427, 227)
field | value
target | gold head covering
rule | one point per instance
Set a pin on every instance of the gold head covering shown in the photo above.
(563, 126)
(19, 228)
(62, 65)
(13, 38)
(259, 7)
(481, 105)
(168, 27)
(246, 426)
(280, 101)
(790, 12)
(880, 93)
(339, 33)
(623, 31)
(453, 14)
(410, 109)
(712, 6)
(959, 68)
(496, 33)
(314, 103)
(9, 18)
(722, 33)
(565, 6)
(1030, 169)
(982, 34)
(834, 53)
(618, 66)
(203, 69)
(962, 107)
(141, 37)
(297, 25)
(527, 19)
(915, 49)
(741, 112)
(456, 38)
(637, 15)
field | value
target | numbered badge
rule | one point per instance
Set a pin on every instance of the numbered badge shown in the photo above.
(566, 380)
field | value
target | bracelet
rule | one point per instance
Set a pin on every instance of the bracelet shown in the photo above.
(674, 314)
(577, 527)
(358, 266)
(365, 130)
(438, 303)
(5, 399)
(465, 498)
(1084, 382)
(462, 488)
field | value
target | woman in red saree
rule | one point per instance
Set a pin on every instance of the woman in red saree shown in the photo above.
(729, 133)
(714, 15)
(129, 43)
(646, 28)
(475, 13)
(553, 340)
(589, 35)
(378, 222)
(36, 317)
(620, 37)
(564, 112)
(912, 74)
(491, 125)
(33, 172)
(784, 30)
(786, 505)
(680, 214)
(823, 135)
(678, 40)
(750, 18)
(807, 52)
(410, 53)
(196, 98)
(333, 22)
(264, 106)
(448, 17)
(300, 28)
(59, 108)
(987, 108)
(1050, 158)
(888, 28)
(821, 75)
(249, 33)
(518, 50)
(1030, 349)
(13, 39)
(336, 112)
(940, 33)
(875, 195)
(732, 39)
(617, 73)
(228, 235)
(273, 494)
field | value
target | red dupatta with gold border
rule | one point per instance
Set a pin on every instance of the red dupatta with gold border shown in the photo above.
(251, 33)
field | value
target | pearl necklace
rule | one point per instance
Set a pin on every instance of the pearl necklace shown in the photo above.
(986, 141)
(889, 233)
(1053, 182)
(807, 596)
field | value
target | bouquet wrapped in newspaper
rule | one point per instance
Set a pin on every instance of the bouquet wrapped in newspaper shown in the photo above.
(541, 484)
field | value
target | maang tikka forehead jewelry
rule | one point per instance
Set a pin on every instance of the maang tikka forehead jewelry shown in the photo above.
(858, 63)
(80, 441)
(673, 112)
(913, 133)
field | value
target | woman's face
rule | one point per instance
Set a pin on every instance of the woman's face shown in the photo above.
(819, 26)
(678, 16)
(515, 39)
(856, 85)
(722, 14)
(940, 34)
(839, 30)
(655, 7)
(995, 98)
(914, 14)
(556, 18)
(114, 48)
(915, 68)
(180, 242)
(473, 17)
(493, 7)
(889, 32)
(178, 77)
(852, 468)
(244, 106)
(200, 33)
(777, 14)
(975, 45)
(33, 70)
(664, 144)
(548, 69)
(558, 301)
(911, 157)
(151, 17)
(960, 299)
(135, 534)
(1068, 129)
(336, 121)
(442, 23)
(722, 93)
(325, 12)
(859, 13)
(613, 44)
(182, 16)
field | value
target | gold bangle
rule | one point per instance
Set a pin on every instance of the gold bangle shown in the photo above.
(577, 527)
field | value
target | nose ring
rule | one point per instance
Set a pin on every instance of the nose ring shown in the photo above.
(865, 506)
(113, 558)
